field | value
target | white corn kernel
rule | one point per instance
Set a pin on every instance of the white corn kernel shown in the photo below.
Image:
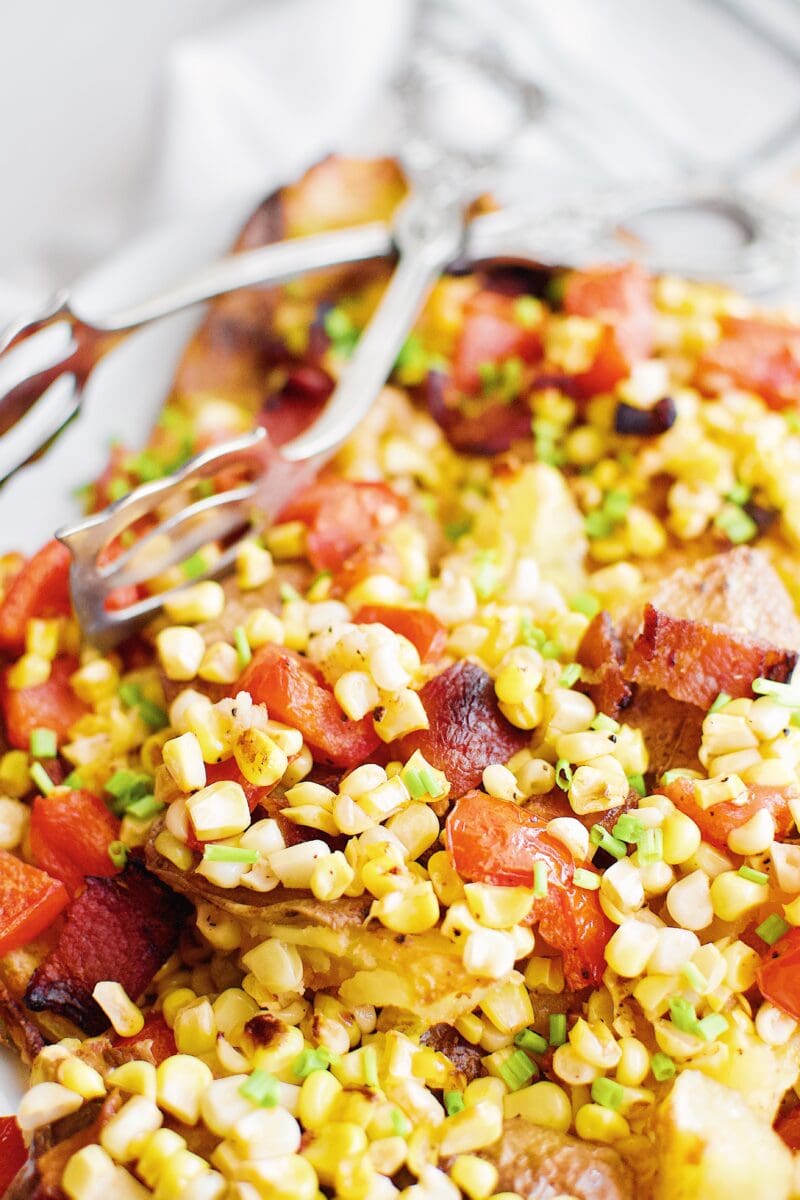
(45, 1103)
(755, 836)
(220, 664)
(181, 1082)
(572, 834)
(219, 811)
(689, 901)
(125, 1133)
(125, 1017)
(630, 947)
(294, 865)
(488, 954)
(254, 565)
(180, 651)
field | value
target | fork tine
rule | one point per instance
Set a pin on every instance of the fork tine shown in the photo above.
(21, 325)
(39, 352)
(43, 420)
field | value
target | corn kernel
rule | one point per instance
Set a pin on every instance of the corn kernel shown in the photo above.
(202, 602)
(403, 712)
(508, 1006)
(732, 896)
(184, 761)
(287, 540)
(14, 818)
(79, 1077)
(220, 664)
(543, 1103)
(180, 651)
(681, 838)
(195, 1028)
(259, 758)
(284, 1177)
(263, 628)
(754, 836)
(181, 1081)
(95, 681)
(44, 1103)
(488, 953)
(471, 1129)
(254, 565)
(594, 1123)
(498, 907)
(124, 1135)
(219, 811)
(176, 852)
(276, 965)
(413, 909)
(30, 670)
(630, 948)
(136, 1077)
(331, 876)
(89, 1174)
(125, 1017)
(338, 1140)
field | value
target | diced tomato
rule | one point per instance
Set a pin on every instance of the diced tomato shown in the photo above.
(778, 976)
(157, 1032)
(717, 822)
(69, 837)
(620, 297)
(496, 841)
(760, 356)
(420, 627)
(295, 692)
(788, 1128)
(40, 590)
(13, 1153)
(490, 333)
(29, 902)
(341, 517)
(229, 770)
(49, 705)
(374, 558)
(466, 729)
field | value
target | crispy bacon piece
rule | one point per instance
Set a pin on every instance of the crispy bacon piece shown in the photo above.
(621, 297)
(121, 929)
(155, 1038)
(717, 822)
(600, 654)
(759, 355)
(695, 661)
(465, 1057)
(491, 431)
(50, 705)
(467, 729)
(297, 405)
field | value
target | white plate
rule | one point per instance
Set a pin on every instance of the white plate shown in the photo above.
(122, 400)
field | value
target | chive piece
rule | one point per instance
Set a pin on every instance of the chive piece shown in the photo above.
(243, 651)
(771, 930)
(400, 1123)
(288, 593)
(42, 779)
(604, 724)
(517, 1070)
(752, 875)
(530, 1040)
(44, 743)
(456, 529)
(118, 853)
(598, 524)
(722, 699)
(586, 603)
(662, 1067)
(73, 780)
(371, 1066)
(651, 847)
(551, 649)
(683, 1015)
(628, 828)
(563, 774)
(527, 311)
(238, 854)
(570, 675)
(739, 494)
(413, 781)
(340, 329)
(616, 505)
(608, 1093)
(126, 786)
(117, 488)
(420, 590)
(712, 1027)
(152, 714)
(453, 1103)
(694, 977)
(540, 874)
(531, 635)
(194, 566)
(145, 808)
(737, 525)
(433, 781)
(261, 1088)
(312, 1060)
(782, 693)
(586, 879)
(130, 694)
(599, 836)
(558, 1029)
(637, 784)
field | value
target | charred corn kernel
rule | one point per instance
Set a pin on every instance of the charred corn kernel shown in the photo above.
(598, 786)
(125, 1134)
(508, 1006)
(410, 910)
(498, 907)
(331, 876)
(202, 602)
(681, 838)
(543, 1103)
(499, 782)
(689, 901)
(754, 836)
(79, 1077)
(89, 1174)
(14, 817)
(356, 693)
(488, 953)
(594, 1123)
(195, 1028)
(417, 827)
(318, 1094)
(219, 664)
(283, 1177)
(732, 896)
(630, 947)
(233, 1008)
(29, 670)
(126, 1019)
(708, 792)
(137, 1077)
(276, 965)
(402, 713)
(259, 758)
(175, 851)
(254, 565)
(294, 865)
(218, 811)
(181, 1081)
(183, 759)
(287, 540)
(263, 628)
(44, 1103)
(471, 1129)
(338, 1140)
(180, 651)
(95, 681)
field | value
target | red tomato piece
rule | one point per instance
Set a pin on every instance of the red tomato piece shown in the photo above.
(778, 976)
(295, 692)
(13, 1152)
(69, 837)
(717, 822)
(420, 627)
(49, 705)
(40, 590)
(761, 356)
(29, 902)
(490, 333)
(620, 297)
(157, 1032)
(341, 517)
(496, 841)
(229, 770)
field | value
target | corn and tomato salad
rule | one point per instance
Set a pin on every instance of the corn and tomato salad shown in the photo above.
(449, 847)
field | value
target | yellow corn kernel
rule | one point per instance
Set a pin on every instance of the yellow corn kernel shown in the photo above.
(284, 1177)
(137, 1077)
(403, 712)
(417, 827)
(447, 883)
(29, 670)
(219, 811)
(183, 759)
(203, 601)
(792, 911)
(220, 664)
(754, 836)
(594, 1123)
(338, 1140)
(488, 953)
(123, 1137)
(294, 864)
(387, 1154)
(634, 1063)
(742, 963)
(89, 1174)
(254, 565)
(276, 965)
(545, 973)
(179, 854)
(14, 819)
(410, 910)
(263, 628)
(42, 637)
(732, 896)
(598, 786)
(472, 1129)
(79, 1077)
(178, 1172)
(508, 1006)
(498, 907)
(95, 680)
(287, 540)
(595, 1044)
(44, 1103)
(180, 651)
(476, 1177)
(681, 837)
(543, 1103)
(331, 877)
(517, 681)
(318, 1094)
(708, 792)
(15, 777)
(156, 1153)
(527, 714)
(630, 947)
(356, 693)
(259, 758)
(125, 1017)
(195, 1028)
(181, 1081)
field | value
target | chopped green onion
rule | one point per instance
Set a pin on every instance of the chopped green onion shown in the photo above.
(772, 929)
(608, 1093)
(531, 635)
(420, 590)
(486, 581)
(694, 977)
(600, 837)
(722, 699)
(145, 467)
(238, 854)
(371, 1066)
(739, 494)
(126, 786)
(194, 566)
(341, 330)
(752, 875)
(145, 808)
(586, 879)
(629, 828)
(712, 1027)
(312, 1060)
(540, 874)
(598, 524)
(586, 603)
(737, 525)
(527, 311)
(42, 779)
(287, 593)
(412, 361)
(130, 694)
(782, 693)
(117, 488)
(73, 780)
(118, 853)
(662, 1066)
(413, 781)
(261, 1088)
(204, 489)
(433, 781)
(399, 1122)
(456, 529)
(517, 1070)
(558, 1029)
(637, 783)
(604, 724)
(651, 847)
(683, 1014)
(44, 743)
(563, 774)
(243, 651)
(570, 675)
(552, 649)
(616, 505)
(453, 1103)
(153, 715)
(530, 1040)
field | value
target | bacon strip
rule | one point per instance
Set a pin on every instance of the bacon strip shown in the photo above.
(600, 654)
(695, 661)
(122, 929)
